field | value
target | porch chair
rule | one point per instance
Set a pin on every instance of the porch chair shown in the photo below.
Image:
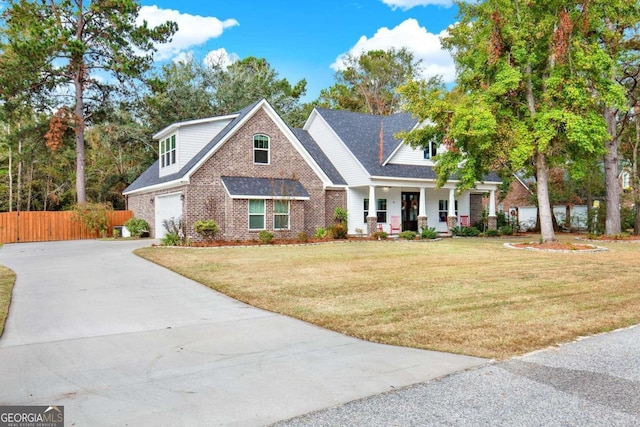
(394, 224)
(464, 221)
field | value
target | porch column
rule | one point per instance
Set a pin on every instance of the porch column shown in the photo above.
(422, 209)
(492, 219)
(372, 216)
(452, 219)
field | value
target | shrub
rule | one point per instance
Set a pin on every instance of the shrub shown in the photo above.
(340, 215)
(407, 235)
(303, 237)
(465, 231)
(93, 216)
(339, 231)
(171, 239)
(321, 233)
(137, 226)
(175, 227)
(380, 235)
(506, 230)
(428, 233)
(265, 237)
(492, 233)
(208, 229)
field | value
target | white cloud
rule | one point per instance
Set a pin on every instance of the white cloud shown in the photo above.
(193, 30)
(221, 57)
(408, 4)
(409, 34)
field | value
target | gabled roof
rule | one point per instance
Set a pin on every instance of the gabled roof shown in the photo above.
(151, 177)
(360, 133)
(264, 188)
(316, 152)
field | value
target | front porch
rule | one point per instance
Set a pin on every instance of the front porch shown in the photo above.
(415, 208)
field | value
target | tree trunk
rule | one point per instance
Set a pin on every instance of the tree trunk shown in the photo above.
(612, 187)
(78, 82)
(635, 181)
(544, 206)
(19, 189)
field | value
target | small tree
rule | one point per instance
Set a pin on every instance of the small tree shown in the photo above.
(208, 229)
(93, 216)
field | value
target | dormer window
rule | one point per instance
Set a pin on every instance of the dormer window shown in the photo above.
(261, 149)
(431, 150)
(168, 151)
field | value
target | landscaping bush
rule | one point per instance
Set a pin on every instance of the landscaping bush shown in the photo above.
(93, 216)
(465, 231)
(137, 226)
(506, 230)
(429, 233)
(321, 233)
(340, 216)
(407, 235)
(339, 231)
(492, 233)
(208, 229)
(380, 235)
(171, 239)
(265, 237)
(303, 237)
(176, 228)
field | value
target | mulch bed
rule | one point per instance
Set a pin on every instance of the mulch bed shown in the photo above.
(556, 247)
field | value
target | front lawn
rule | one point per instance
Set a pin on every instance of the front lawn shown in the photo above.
(469, 296)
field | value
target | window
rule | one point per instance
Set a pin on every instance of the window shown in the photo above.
(443, 210)
(261, 149)
(381, 210)
(168, 151)
(256, 214)
(431, 150)
(281, 214)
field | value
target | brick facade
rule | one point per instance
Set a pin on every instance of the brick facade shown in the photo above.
(206, 198)
(143, 207)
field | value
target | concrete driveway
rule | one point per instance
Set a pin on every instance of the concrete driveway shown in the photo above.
(120, 341)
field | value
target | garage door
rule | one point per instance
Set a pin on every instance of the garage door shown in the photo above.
(167, 207)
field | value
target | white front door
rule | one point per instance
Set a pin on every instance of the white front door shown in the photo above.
(167, 207)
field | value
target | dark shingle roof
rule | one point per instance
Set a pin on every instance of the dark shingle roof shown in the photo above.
(263, 187)
(152, 175)
(319, 156)
(361, 134)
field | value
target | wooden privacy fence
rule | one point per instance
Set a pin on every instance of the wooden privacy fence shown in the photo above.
(47, 226)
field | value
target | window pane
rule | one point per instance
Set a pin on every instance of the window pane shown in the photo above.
(382, 217)
(260, 156)
(261, 141)
(281, 207)
(256, 222)
(382, 204)
(256, 206)
(173, 142)
(281, 222)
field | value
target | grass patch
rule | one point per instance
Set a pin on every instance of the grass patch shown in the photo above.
(467, 296)
(7, 279)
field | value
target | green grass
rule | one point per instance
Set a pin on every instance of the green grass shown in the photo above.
(468, 296)
(7, 279)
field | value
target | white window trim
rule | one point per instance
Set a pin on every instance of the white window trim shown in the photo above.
(268, 150)
(378, 211)
(432, 147)
(172, 153)
(263, 214)
(288, 214)
(446, 209)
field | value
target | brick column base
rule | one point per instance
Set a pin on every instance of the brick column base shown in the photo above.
(493, 222)
(452, 222)
(422, 223)
(372, 225)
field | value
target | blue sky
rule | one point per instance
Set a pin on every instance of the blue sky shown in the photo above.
(305, 39)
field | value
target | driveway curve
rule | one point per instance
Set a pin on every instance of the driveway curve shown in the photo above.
(118, 340)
